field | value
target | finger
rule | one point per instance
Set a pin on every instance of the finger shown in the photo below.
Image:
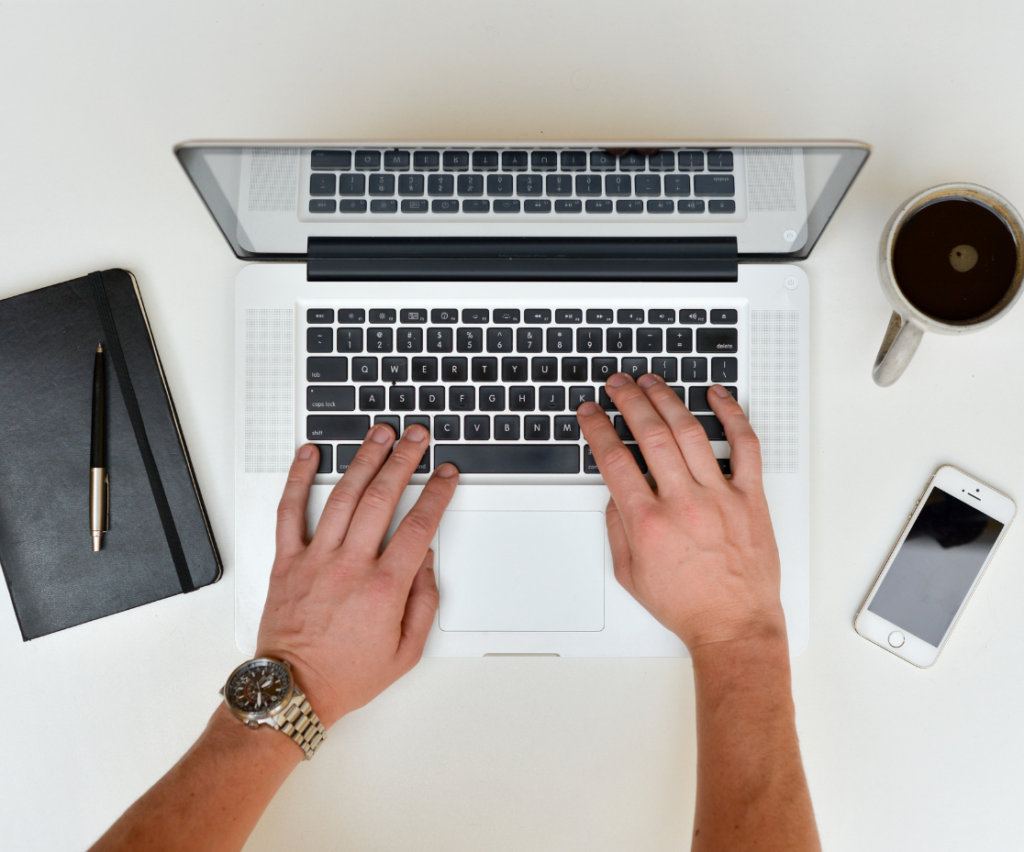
(657, 443)
(420, 609)
(689, 435)
(291, 511)
(377, 505)
(617, 465)
(746, 448)
(622, 555)
(417, 529)
(345, 496)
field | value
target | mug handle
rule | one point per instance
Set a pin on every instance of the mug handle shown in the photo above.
(902, 337)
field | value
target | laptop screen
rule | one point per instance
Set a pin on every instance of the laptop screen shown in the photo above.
(773, 199)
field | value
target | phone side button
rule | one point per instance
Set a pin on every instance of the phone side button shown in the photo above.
(896, 639)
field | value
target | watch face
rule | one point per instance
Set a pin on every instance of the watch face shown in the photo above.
(258, 686)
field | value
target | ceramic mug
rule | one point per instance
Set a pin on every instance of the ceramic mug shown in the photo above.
(909, 322)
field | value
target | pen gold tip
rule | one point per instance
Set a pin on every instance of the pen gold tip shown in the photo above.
(95, 542)
(99, 348)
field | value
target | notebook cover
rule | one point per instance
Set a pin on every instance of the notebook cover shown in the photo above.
(160, 542)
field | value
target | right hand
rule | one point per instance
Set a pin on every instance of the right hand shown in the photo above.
(697, 550)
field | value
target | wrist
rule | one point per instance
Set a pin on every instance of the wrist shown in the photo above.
(226, 733)
(762, 647)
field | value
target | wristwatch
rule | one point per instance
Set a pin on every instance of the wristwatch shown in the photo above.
(263, 692)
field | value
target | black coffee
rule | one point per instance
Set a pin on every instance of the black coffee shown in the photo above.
(955, 260)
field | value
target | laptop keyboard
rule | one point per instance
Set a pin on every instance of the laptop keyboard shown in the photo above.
(403, 183)
(497, 387)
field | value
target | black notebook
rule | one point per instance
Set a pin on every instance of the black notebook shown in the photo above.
(160, 542)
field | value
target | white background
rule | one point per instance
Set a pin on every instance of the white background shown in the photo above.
(546, 754)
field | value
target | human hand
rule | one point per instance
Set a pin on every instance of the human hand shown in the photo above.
(350, 618)
(697, 550)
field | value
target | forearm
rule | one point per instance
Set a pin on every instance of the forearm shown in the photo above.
(213, 797)
(751, 788)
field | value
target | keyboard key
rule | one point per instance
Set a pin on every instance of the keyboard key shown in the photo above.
(337, 427)
(574, 370)
(602, 369)
(350, 339)
(537, 427)
(716, 339)
(551, 398)
(327, 369)
(462, 398)
(712, 427)
(431, 398)
(573, 205)
(446, 428)
(471, 184)
(691, 317)
(371, 398)
(394, 369)
(661, 316)
(382, 184)
(379, 340)
(590, 466)
(529, 339)
(589, 340)
(499, 340)
(559, 340)
(667, 368)
(661, 205)
(719, 161)
(426, 161)
(537, 316)
(364, 369)
(504, 205)
(537, 205)
(579, 394)
(444, 315)
(415, 205)
(454, 369)
(396, 161)
(424, 369)
(476, 316)
(485, 161)
(392, 420)
(529, 184)
(408, 315)
(604, 400)
(469, 340)
(632, 162)
(402, 398)
(602, 161)
(629, 316)
(331, 399)
(484, 369)
(522, 398)
(506, 427)
(724, 316)
(507, 315)
(588, 185)
(514, 161)
(574, 161)
(699, 398)
(353, 315)
(694, 369)
(418, 420)
(618, 185)
(337, 160)
(724, 369)
(544, 161)
(346, 453)
(322, 184)
(622, 428)
(599, 205)
(456, 161)
(634, 367)
(690, 205)
(631, 205)
(718, 205)
(648, 340)
(478, 427)
(410, 184)
(368, 160)
(544, 370)
(319, 340)
(492, 398)
(620, 340)
(383, 205)
(489, 458)
(513, 369)
(567, 429)
(600, 315)
(441, 185)
(380, 316)
(691, 161)
(322, 205)
(352, 205)
(663, 161)
(471, 205)
(714, 185)
(558, 184)
(326, 458)
(648, 185)
(568, 316)
(439, 340)
(677, 186)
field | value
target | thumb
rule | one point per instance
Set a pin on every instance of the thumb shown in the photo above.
(419, 612)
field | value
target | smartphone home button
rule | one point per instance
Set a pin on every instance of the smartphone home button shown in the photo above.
(896, 639)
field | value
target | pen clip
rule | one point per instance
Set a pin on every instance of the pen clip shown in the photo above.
(106, 488)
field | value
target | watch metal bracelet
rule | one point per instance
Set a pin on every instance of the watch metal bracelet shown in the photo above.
(298, 721)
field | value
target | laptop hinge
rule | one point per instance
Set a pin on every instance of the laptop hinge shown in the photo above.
(522, 259)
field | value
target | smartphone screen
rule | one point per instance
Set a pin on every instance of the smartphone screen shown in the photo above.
(936, 567)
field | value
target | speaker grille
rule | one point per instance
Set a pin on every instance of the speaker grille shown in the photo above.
(273, 180)
(269, 389)
(770, 184)
(775, 388)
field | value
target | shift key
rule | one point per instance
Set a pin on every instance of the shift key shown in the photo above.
(337, 427)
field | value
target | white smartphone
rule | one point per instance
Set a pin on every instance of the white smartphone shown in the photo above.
(935, 566)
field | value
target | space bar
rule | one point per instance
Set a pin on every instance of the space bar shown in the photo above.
(521, 458)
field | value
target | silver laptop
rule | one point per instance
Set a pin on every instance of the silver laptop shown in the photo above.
(485, 291)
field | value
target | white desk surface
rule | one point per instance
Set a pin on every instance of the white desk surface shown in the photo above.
(548, 754)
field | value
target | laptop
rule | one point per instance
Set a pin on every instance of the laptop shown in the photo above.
(486, 291)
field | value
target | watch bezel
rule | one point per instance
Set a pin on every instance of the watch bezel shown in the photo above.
(260, 716)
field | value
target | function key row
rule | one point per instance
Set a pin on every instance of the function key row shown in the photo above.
(515, 161)
(511, 316)
(689, 206)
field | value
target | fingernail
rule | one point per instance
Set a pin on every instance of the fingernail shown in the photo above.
(305, 451)
(719, 390)
(447, 471)
(429, 561)
(618, 380)
(382, 434)
(588, 408)
(416, 433)
(647, 379)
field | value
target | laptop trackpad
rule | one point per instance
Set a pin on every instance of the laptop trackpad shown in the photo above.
(521, 571)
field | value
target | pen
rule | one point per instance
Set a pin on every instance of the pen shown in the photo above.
(99, 485)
